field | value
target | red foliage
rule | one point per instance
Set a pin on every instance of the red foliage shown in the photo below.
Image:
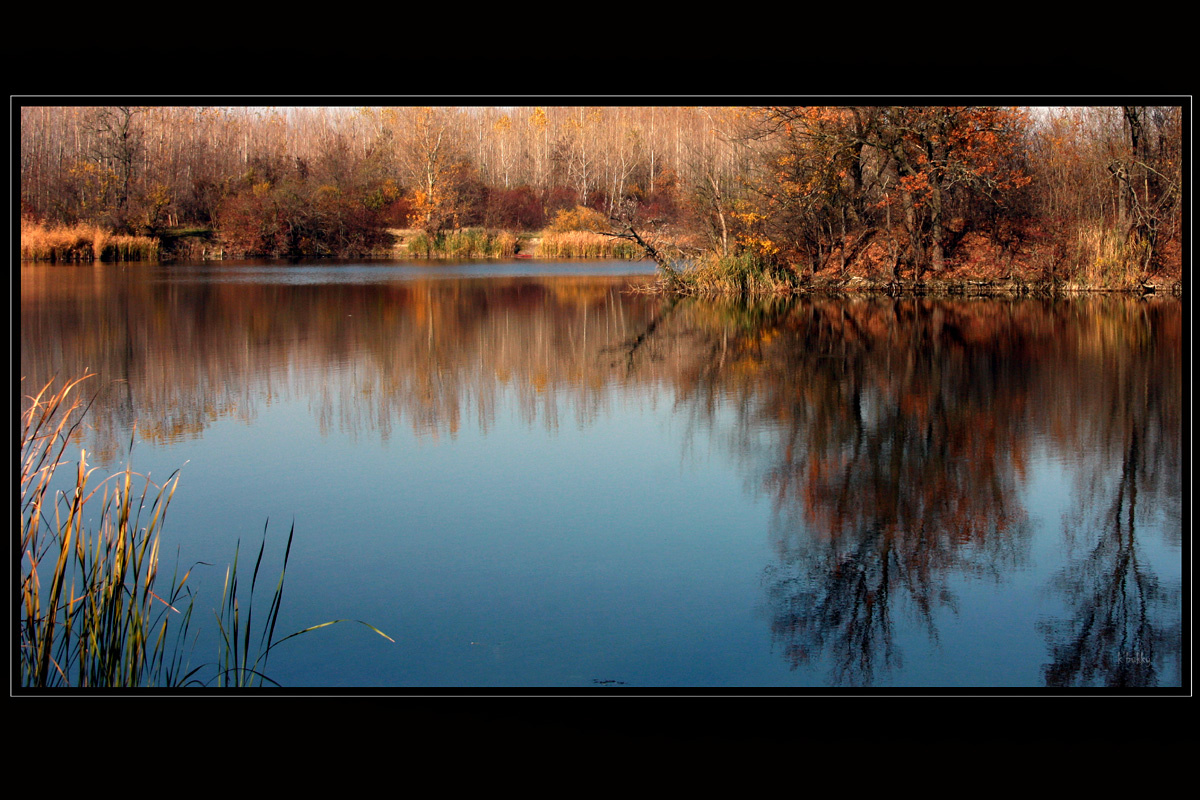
(514, 209)
(296, 218)
(661, 205)
(560, 198)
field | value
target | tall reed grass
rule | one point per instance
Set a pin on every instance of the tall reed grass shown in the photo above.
(1103, 258)
(743, 273)
(95, 612)
(83, 243)
(586, 244)
(466, 243)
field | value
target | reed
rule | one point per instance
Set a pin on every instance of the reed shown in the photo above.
(94, 612)
(237, 644)
(744, 273)
(587, 244)
(1102, 258)
(95, 623)
(465, 243)
(83, 243)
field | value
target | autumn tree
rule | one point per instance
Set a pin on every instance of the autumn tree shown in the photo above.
(118, 145)
(944, 154)
(823, 174)
(1147, 168)
(1108, 180)
(82, 164)
(710, 173)
(803, 196)
(430, 153)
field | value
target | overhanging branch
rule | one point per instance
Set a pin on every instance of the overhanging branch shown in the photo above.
(629, 233)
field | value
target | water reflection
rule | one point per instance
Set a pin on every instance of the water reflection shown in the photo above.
(889, 436)
(895, 440)
(1124, 625)
(894, 437)
(176, 355)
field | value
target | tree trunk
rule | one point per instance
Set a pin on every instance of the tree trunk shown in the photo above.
(720, 215)
(914, 233)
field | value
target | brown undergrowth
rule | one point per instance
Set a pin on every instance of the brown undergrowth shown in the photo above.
(1030, 260)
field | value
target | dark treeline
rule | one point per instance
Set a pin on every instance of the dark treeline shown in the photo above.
(1090, 194)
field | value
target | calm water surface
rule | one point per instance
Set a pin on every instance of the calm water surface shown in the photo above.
(530, 476)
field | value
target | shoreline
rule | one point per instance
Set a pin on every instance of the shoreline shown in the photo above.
(207, 246)
(964, 287)
(849, 286)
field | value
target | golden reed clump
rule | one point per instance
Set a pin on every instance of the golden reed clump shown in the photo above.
(586, 244)
(82, 243)
(466, 243)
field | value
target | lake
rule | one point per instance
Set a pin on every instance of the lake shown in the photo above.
(531, 474)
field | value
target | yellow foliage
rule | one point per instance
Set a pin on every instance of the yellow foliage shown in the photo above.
(758, 244)
(579, 218)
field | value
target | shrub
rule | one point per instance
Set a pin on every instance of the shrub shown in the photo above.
(296, 218)
(514, 209)
(579, 218)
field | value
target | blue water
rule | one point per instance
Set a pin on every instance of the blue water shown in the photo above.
(485, 462)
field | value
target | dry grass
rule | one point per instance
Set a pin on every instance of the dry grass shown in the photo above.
(742, 274)
(1103, 258)
(466, 243)
(586, 244)
(83, 243)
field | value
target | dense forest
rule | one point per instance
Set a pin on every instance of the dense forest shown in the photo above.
(1085, 195)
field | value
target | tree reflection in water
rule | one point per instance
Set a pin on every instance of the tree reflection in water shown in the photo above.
(893, 461)
(177, 355)
(893, 437)
(900, 433)
(1124, 625)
